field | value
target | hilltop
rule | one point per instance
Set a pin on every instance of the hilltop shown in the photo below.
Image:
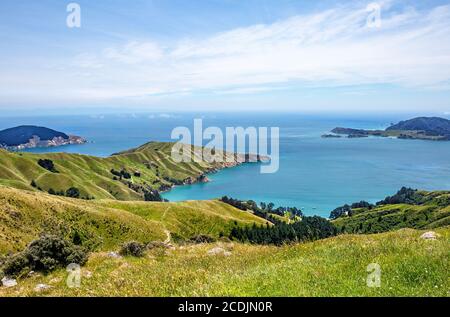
(29, 136)
(423, 128)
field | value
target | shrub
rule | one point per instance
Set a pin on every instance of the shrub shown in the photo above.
(73, 192)
(48, 165)
(45, 254)
(133, 248)
(152, 195)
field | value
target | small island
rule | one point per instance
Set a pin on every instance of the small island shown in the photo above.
(421, 128)
(28, 136)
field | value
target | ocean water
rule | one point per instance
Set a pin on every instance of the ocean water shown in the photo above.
(315, 174)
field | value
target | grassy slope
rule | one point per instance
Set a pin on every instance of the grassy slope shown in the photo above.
(334, 267)
(92, 174)
(432, 214)
(104, 224)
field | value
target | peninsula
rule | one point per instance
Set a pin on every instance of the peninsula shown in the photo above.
(421, 128)
(28, 136)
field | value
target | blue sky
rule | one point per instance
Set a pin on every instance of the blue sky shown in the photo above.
(225, 55)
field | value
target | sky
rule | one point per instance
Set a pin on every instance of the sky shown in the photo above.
(226, 55)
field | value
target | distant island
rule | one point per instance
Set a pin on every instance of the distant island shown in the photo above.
(28, 136)
(421, 128)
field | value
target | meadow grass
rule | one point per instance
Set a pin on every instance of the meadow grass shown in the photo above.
(410, 266)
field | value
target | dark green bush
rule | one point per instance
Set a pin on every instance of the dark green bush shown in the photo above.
(133, 248)
(45, 254)
(73, 192)
(48, 165)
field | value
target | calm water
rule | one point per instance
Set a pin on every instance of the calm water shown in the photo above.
(315, 174)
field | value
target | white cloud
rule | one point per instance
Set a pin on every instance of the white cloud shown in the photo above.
(135, 52)
(329, 48)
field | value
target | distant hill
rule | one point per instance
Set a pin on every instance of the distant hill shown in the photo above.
(431, 125)
(422, 128)
(22, 135)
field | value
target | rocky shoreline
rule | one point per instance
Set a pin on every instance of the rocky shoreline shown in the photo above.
(239, 159)
(36, 142)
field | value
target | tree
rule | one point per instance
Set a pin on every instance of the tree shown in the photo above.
(73, 192)
(48, 165)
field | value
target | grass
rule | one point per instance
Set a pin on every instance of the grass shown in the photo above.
(92, 175)
(105, 224)
(410, 266)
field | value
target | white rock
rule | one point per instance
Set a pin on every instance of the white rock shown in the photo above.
(218, 250)
(430, 235)
(42, 287)
(9, 282)
(114, 255)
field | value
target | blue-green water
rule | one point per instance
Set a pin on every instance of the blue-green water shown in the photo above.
(315, 174)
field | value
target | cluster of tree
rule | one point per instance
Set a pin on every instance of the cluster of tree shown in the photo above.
(72, 192)
(345, 210)
(48, 165)
(281, 211)
(264, 210)
(404, 196)
(152, 195)
(121, 174)
(308, 229)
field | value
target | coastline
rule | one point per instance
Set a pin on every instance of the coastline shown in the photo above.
(36, 142)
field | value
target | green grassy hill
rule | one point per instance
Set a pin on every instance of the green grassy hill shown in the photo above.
(105, 224)
(431, 211)
(410, 266)
(150, 167)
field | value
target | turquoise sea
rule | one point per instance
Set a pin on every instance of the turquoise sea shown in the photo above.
(315, 174)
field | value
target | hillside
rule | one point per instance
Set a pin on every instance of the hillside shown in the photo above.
(422, 128)
(22, 134)
(105, 224)
(129, 175)
(410, 266)
(406, 209)
(430, 125)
